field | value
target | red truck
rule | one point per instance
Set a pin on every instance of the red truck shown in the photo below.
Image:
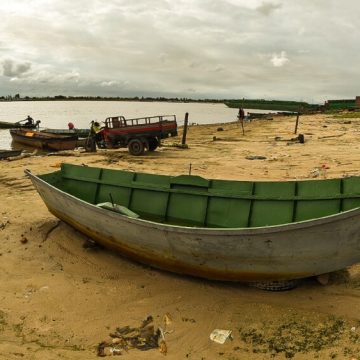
(138, 134)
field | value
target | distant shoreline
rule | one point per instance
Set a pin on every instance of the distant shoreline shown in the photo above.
(114, 99)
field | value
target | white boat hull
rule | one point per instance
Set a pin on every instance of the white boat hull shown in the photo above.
(283, 252)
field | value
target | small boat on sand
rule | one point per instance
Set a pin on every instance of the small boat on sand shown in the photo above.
(45, 141)
(215, 229)
(4, 154)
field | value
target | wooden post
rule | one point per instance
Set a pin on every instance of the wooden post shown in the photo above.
(183, 142)
(297, 122)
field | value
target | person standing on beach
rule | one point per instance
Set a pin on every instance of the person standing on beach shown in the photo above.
(95, 136)
(241, 116)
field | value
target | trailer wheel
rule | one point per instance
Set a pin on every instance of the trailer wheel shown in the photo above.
(136, 147)
(153, 144)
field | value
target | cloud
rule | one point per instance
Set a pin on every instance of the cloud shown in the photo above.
(109, 83)
(279, 60)
(13, 69)
(266, 8)
(152, 47)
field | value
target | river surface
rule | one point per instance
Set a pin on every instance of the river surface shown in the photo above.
(57, 114)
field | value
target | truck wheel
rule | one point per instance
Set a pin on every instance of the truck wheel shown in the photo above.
(136, 147)
(153, 144)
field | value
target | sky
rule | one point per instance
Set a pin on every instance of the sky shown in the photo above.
(302, 50)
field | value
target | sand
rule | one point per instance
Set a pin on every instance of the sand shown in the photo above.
(59, 298)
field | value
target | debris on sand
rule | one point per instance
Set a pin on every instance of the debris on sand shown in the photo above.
(220, 336)
(255, 157)
(145, 337)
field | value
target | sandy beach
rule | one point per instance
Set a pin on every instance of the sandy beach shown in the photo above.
(60, 298)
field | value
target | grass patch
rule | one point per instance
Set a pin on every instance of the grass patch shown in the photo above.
(294, 337)
(2, 320)
(348, 115)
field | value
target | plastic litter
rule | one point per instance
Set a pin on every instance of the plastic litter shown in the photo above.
(220, 336)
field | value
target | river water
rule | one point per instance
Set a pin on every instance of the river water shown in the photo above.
(57, 114)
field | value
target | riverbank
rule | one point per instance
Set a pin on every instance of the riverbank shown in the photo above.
(60, 297)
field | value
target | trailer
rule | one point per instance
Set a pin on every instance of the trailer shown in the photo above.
(138, 134)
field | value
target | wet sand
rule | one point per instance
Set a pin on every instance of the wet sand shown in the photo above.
(59, 298)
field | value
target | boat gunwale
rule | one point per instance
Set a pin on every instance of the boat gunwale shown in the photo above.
(205, 230)
(215, 192)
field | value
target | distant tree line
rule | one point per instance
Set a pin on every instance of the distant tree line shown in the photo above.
(278, 105)
(17, 97)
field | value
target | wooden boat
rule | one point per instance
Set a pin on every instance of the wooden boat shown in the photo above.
(44, 141)
(216, 229)
(15, 125)
(81, 133)
(4, 154)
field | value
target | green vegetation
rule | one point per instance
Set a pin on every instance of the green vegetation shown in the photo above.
(2, 320)
(17, 97)
(349, 115)
(296, 336)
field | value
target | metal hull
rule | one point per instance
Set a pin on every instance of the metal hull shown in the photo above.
(279, 252)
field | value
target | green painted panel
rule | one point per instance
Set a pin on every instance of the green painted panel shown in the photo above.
(81, 189)
(120, 194)
(152, 179)
(190, 180)
(187, 209)
(54, 179)
(149, 203)
(224, 212)
(235, 187)
(272, 212)
(309, 209)
(351, 185)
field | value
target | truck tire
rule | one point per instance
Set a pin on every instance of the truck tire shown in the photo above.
(136, 147)
(153, 144)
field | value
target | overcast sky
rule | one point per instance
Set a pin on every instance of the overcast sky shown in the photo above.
(277, 49)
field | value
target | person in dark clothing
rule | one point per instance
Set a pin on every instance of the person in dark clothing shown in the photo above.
(241, 114)
(29, 121)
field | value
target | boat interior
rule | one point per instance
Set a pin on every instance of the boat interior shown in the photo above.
(194, 201)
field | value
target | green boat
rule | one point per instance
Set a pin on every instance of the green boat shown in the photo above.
(215, 229)
(81, 133)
